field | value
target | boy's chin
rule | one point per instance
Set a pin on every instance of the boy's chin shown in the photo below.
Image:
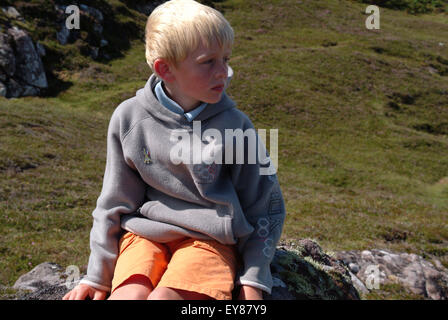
(214, 100)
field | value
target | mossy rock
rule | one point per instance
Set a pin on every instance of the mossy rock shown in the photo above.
(304, 271)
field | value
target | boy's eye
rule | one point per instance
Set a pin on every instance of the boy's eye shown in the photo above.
(211, 61)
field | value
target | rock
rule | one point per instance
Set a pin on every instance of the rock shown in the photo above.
(40, 49)
(95, 13)
(410, 270)
(51, 292)
(63, 35)
(29, 67)
(12, 13)
(94, 38)
(94, 52)
(353, 267)
(2, 89)
(305, 271)
(7, 59)
(21, 69)
(98, 29)
(358, 284)
(103, 43)
(14, 89)
(47, 281)
(43, 275)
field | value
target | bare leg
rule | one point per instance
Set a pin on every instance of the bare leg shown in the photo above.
(137, 287)
(165, 293)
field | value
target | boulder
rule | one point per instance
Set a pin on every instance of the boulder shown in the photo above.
(303, 270)
(12, 13)
(378, 267)
(93, 23)
(29, 67)
(21, 70)
(2, 89)
(7, 58)
(46, 281)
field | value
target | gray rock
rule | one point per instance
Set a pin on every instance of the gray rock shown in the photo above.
(7, 59)
(103, 43)
(3, 89)
(40, 49)
(94, 52)
(410, 270)
(353, 267)
(358, 284)
(305, 271)
(29, 67)
(93, 12)
(29, 91)
(21, 70)
(12, 13)
(47, 292)
(15, 90)
(43, 275)
(47, 281)
(98, 29)
(63, 35)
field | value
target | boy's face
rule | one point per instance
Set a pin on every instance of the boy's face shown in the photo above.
(201, 77)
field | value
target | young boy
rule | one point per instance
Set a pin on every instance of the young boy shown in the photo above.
(185, 212)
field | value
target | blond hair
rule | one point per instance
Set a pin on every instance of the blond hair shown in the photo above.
(175, 29)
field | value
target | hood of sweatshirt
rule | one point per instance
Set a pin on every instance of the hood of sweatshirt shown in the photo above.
(147, 98)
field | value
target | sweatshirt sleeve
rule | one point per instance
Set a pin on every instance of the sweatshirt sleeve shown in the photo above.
(262, 203)
(122, 193)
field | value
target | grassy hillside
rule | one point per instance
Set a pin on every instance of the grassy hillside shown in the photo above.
(363, 133)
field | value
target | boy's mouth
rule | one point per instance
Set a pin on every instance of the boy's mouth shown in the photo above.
(218, 88)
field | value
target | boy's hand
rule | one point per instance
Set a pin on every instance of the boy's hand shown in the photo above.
(81, 291)
(250, 293)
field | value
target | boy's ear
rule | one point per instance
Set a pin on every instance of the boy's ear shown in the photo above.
(163, 70)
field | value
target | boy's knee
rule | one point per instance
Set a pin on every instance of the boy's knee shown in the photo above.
(163, 293)
(137, 287)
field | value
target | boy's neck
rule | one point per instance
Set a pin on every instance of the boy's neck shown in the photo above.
(184, 102)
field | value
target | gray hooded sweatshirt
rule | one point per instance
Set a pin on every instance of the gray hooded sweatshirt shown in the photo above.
(156, 186)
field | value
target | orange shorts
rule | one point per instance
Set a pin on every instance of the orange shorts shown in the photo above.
(202, 266)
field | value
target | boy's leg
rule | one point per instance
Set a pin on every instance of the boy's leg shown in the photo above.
(137, 287)
(165, 293)
(140, 264)
(198, 270)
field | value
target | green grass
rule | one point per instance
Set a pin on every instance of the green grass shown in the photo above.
(363, 145)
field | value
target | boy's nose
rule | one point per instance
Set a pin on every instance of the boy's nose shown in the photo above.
(222, 71)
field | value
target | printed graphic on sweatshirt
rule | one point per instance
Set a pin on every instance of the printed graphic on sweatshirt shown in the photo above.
(275, 203)
(269, 229)
(205, 173)
(147, 156)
